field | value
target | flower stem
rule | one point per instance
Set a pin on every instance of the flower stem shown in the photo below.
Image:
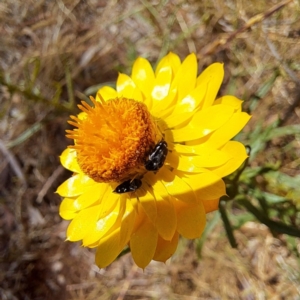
(273, 225)
(228, 227)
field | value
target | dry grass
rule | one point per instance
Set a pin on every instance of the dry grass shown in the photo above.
(58, 50)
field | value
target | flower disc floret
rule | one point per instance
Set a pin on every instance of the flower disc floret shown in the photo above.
(113, 139)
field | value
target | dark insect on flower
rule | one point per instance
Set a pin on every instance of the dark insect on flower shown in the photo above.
(127, 186)
(155, 161)
(157, 157)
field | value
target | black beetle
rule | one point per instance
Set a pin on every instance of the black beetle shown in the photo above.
(157, 157)
(127, 186)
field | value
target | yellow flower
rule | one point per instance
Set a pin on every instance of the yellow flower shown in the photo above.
(148, 159)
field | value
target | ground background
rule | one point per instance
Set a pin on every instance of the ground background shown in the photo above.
(54, 53)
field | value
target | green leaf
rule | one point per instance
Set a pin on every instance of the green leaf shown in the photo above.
(282, 181)
(259, 138)
(262, 91)
(267, 85)
(282, 131)
(272, 198)
(25, 135)
(284, 185)
(275, 226)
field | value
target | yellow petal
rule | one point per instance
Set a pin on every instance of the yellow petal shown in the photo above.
(162, 114)
(106, 93)
(176, 186)
(108, 249)
(143, 243)
(147, 201)
(190, 102)
(75, 185)
(67, 210)
(69, 160)
(143, 76)
(171, 59)
(197, 163)
(101, 226)
(158, 187)
(108, 202)
(176, 119)
(70, 207)
(183, 163)
(164, 89)
(161, 86)
(230, 100)
(211, 205)
(165, 249)
(140, 214)
(83, 223)
(203, 123)
(211, 118)
(191, 219)
(206, 185)
(185, 77)
(90, 196)
(126, 88)
(165, 107)
(183, 83)
(207, 157)
(232, 127)
(128, 223)
(211, 79)
(165, 221)
(238, 155)
(191, 149)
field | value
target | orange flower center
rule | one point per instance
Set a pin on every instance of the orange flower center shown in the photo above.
(113, 139)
